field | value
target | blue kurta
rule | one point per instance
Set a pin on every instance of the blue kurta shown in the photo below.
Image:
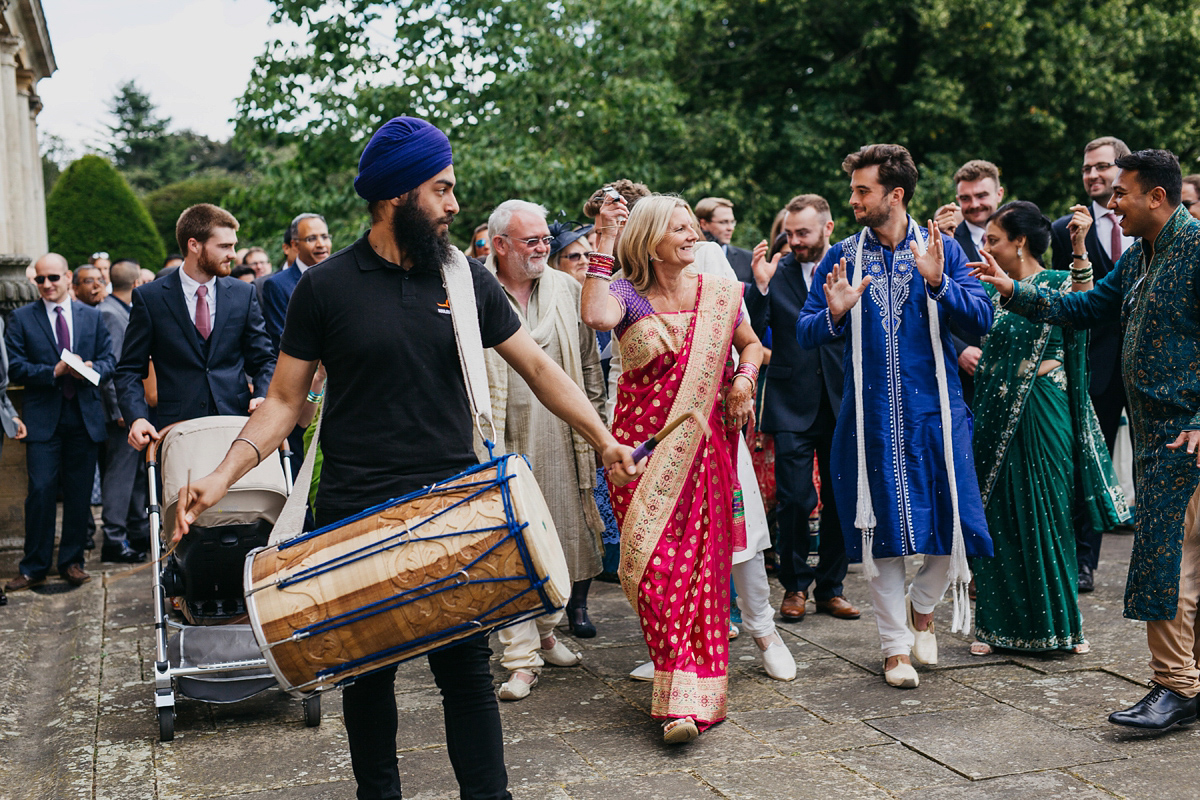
(901, 412)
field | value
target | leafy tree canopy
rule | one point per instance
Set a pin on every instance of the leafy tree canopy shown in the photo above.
(92, 208)
(755, 100)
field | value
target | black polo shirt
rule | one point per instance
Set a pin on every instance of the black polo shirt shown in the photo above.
(396, 411)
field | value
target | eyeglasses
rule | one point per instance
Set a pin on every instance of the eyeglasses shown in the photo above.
(40, 279)
(317, 237)
(89, 281)
(1102, 167)
(481, 242)
(532, 241)
(573, 256)
(101, 254)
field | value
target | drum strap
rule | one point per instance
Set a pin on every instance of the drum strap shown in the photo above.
(460, 294)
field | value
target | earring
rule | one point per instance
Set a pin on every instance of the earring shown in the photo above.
(1019, 253)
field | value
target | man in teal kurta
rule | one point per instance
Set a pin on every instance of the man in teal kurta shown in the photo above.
(1155, 289)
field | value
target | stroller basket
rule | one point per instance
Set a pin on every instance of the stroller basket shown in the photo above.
(221, 646)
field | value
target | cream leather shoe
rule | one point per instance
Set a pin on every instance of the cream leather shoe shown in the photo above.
(778, 662)
(560, 656)
(645, 672)
(516, 687)
(902, 676)
(924, 647)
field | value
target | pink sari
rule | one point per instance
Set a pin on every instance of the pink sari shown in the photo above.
(677, 521)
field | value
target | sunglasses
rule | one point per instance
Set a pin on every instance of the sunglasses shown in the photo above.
(100, 254)
(40, 279)
(573, 256)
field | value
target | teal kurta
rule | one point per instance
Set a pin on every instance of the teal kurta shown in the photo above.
(1158, 304)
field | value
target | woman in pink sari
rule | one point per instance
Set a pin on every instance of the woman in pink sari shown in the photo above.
(681, 520)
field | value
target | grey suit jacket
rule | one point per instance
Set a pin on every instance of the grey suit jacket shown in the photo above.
(8, 414)
(116, 318)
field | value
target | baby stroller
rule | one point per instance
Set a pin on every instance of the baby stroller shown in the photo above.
(213, 657)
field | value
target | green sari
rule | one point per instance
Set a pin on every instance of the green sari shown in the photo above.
(1030, 431)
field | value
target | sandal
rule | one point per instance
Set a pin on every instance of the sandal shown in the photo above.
(981, 649)
(680, 730)
(1082, 648)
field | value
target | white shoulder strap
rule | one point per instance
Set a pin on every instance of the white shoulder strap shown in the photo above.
(460, 294)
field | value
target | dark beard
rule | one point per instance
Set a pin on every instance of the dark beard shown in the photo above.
(417, 237)
(876, 218)
(214, 267)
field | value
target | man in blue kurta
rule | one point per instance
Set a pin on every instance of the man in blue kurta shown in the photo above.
(902, 466)
(1155, 292)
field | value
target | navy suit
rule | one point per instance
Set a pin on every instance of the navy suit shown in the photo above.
(63, 433)
(276, 294)
(801, 399)
(740, 260)
(959, 337)
(195, 378)
(1105, 387)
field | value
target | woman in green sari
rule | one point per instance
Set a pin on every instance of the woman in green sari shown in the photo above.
(1033, 422)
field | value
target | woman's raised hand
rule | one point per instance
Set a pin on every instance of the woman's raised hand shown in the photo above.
(839, 294)
(988, 271)
(610, 220)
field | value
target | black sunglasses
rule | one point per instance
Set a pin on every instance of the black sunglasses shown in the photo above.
(40, 279)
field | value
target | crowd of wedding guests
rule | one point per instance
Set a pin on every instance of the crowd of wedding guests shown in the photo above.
(656, 315)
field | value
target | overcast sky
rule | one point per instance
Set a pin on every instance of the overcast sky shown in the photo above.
(193, 57)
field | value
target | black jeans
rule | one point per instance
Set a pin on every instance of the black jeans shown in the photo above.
(472, 716)
(797, 499)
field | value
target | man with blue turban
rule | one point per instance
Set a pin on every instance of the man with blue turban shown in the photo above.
(397, 419)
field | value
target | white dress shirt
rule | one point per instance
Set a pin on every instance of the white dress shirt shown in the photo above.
(189, 295)
(808, 268)
(53, 315)
(977, 235)
(1104, 230)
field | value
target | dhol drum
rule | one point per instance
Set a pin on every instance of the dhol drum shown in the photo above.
(476, 552)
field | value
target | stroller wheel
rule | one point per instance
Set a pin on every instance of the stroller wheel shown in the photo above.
(166, 723)
(312, 711)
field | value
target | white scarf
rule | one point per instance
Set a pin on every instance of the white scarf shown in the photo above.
(864, 513)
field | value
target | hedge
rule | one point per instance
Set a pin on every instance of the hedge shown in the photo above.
(92, 208)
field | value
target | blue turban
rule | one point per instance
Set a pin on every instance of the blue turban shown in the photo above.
(402, 155)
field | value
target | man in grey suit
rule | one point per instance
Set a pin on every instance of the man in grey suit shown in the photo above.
(717, 223)
(125, 523)
(801, 400)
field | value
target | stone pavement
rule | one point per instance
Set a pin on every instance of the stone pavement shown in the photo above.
(77, 719)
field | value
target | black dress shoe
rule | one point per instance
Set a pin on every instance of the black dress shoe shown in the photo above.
(580, 624)
(1157, 711)
(1087, 581)
(121, 554)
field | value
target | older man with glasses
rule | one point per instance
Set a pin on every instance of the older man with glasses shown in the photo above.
(547, 302)
(64, 415)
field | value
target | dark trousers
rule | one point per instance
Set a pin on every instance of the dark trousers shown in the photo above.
(471, 712)
(797, 498)
(69, 458)
(1108, 404)
(123, 488)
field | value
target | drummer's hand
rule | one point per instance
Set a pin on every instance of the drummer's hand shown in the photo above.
(618, 464)
(194, 500)
(739, 403)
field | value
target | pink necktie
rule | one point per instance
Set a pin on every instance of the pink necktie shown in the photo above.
(1115, 247)
(203, 325)
(64, 343)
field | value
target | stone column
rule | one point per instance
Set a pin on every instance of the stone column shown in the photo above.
(30, 169)
(38, 242)
(9, 45)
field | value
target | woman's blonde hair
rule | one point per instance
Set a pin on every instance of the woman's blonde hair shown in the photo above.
(645, 230)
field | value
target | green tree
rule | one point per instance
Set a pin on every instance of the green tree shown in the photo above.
(166, 204)
(92, 208)
(755, 100)
(151, 156)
